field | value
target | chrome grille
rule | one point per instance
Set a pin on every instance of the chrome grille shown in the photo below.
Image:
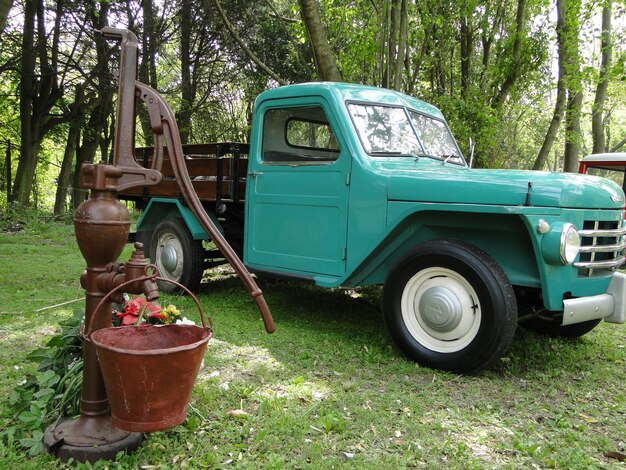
(602, 247)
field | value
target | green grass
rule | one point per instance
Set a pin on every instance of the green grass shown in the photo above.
(327, 390)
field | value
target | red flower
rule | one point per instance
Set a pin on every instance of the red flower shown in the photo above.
(134, 306)
(129, 320)
(133, 309)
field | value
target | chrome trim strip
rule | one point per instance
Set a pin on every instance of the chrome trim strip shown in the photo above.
(613, 263)
(618, 232)
(602, 248)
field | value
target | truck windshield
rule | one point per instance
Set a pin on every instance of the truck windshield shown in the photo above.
(395, 131)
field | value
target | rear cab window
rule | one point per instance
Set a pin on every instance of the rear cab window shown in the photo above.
(298, 135)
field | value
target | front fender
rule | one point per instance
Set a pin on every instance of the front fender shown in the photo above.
(503, 236)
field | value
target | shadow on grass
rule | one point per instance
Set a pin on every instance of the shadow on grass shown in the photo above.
(321, 327)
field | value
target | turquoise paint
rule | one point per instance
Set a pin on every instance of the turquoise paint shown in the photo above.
(296, 216)
(304, 220)
(445, 183)
(164, 208)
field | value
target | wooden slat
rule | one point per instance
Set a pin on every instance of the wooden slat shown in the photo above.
(201, 161)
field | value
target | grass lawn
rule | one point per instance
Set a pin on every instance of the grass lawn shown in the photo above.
(327, 390)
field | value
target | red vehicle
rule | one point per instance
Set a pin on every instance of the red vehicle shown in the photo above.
(608, 165)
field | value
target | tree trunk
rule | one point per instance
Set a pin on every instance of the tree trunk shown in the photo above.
(27, 88)
(73, 135)
(5, 9)
(187, 86)
(467, 49)
(402, 42)
(324, 57)
(101, 109)
(490, 26)
(512, 71)
(561, 93)
(392, 43)
(572, 131)
(37, 95)
(574, 87)
(147, 68)
(6, 184)
(597, 118)
(425, 48)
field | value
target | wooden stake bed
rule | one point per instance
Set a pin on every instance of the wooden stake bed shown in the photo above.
(217, 170)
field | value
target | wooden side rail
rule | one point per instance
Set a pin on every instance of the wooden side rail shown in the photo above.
(218, 172)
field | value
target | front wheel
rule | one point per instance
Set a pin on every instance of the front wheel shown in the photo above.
(177, 255)
(449, 305)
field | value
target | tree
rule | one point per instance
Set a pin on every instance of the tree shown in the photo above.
(512, 70)
(574, 86)
(561, 93)
(77, 108)
(5, 9)
(397, 45)
(251, 55)
(188, 84)
(597, 117)
(325, 61)
(95, 130)
(39, 92)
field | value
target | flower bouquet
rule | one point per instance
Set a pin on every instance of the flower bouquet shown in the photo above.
(138, 310)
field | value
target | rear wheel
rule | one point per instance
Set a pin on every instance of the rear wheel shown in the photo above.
(177, 255)
(449, 305)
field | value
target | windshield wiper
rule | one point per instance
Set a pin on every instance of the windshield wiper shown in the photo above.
(427, 155)
(396, 154)
(451, 156)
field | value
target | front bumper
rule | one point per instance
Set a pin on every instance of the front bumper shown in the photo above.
(610, 306)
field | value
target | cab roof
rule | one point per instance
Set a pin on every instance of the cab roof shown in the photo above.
(348, 92)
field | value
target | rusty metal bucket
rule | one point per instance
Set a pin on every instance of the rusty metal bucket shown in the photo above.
(149, 371)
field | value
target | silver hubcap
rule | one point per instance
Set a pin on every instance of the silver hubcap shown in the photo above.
(169, 258)
(441, 310)
(169, 255)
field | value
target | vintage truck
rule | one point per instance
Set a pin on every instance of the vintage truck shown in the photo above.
(348, 185)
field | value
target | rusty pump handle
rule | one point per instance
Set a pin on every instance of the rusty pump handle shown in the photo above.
(164, 126)
(177, 159)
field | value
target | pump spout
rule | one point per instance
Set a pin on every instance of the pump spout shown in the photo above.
(137, 267)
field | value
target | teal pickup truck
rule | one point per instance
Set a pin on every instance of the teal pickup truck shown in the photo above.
(348, 185)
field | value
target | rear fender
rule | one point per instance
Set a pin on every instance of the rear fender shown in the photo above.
(159, 209)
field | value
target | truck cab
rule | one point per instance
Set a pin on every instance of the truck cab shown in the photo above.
(348, 185)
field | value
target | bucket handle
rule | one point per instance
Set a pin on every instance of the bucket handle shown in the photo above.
(88, 331)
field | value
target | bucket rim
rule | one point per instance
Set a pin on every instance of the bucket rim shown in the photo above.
(150, 352)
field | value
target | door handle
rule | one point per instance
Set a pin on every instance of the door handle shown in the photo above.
(254, 174)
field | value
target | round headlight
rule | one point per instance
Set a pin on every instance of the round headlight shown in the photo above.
(570, 244)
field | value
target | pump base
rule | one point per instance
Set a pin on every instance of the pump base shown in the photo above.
(64, 452)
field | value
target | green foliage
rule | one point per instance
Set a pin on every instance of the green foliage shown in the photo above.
(53, 391)
(226, 81)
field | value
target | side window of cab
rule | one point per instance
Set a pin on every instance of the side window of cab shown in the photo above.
(298, 136)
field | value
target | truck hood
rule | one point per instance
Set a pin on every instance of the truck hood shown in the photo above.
(433, 181)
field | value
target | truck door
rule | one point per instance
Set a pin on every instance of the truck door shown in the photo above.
(297, 190)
